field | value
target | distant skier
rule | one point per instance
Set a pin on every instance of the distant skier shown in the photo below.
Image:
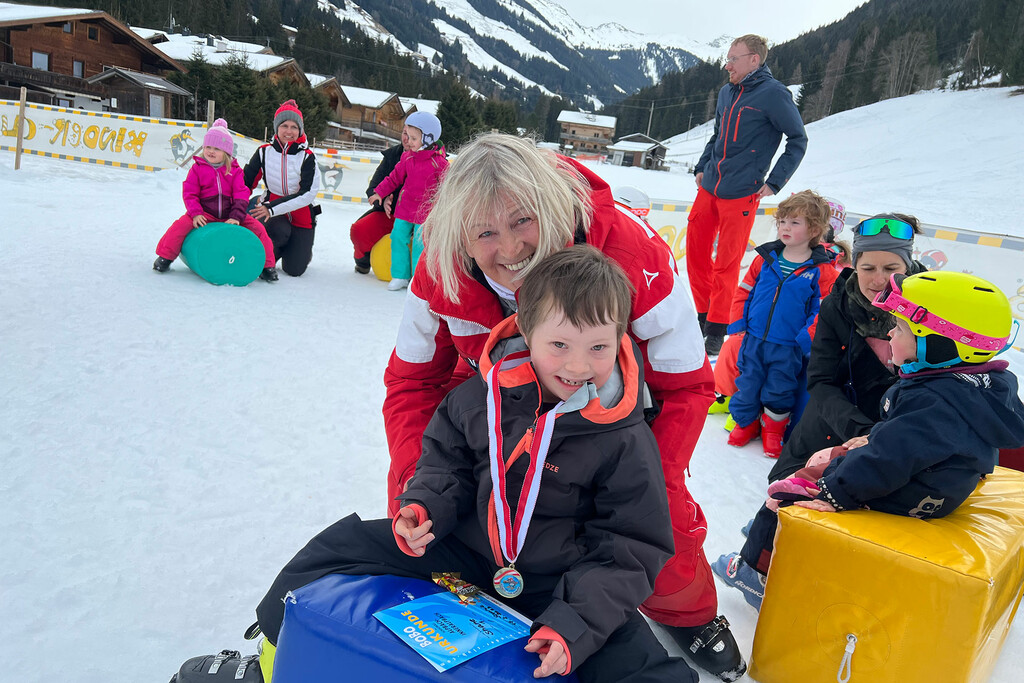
(214, 190)
(754, 112)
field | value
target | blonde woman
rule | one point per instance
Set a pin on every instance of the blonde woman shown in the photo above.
(504, 205)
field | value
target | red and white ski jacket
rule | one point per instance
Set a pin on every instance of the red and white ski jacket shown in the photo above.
(292, 179)
(436, 333)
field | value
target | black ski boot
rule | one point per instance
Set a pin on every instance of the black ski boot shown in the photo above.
(269, 274)
(363, 264)
(711, 647)
(714, 337)
(161, 265)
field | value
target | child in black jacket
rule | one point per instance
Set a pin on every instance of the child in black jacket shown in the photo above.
(944, 421)
(573, 455)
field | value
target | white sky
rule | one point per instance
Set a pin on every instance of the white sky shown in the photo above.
(702, 20)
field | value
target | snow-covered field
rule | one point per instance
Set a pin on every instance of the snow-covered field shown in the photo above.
(167, 445)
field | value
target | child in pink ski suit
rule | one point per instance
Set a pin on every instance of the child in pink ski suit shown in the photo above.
(418, 173)
(214, 190)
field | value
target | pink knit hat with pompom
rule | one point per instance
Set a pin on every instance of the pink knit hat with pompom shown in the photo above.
(220, 137)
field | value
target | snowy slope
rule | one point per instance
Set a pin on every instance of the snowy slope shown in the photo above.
(168, 445)
(950, 158)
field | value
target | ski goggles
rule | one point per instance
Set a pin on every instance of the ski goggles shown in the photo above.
(891, 299)
(894, 226)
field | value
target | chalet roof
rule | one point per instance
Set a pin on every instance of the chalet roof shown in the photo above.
(586, 119)
(145, 80)
(316, 80)
(632, 146)
(26, 15)
(421, 105)
(638, 137)
(182, 48)
(364, 97)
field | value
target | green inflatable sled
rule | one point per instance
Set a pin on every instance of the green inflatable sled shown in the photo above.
(224, 254)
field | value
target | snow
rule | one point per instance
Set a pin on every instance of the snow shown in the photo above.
(479, 56)
(951, 158)
(168, 445)
(366, 97)
(10, 11)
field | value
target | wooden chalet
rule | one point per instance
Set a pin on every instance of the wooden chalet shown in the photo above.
(55, 51)
(638, 150)
(373, 117)
(585, 133)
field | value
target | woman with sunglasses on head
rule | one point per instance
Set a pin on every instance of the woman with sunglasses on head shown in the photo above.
(849, 370)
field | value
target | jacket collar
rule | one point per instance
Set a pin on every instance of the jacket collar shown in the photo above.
(612, 402)
(818, 254)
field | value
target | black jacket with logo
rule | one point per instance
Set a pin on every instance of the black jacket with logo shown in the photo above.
(601, 520)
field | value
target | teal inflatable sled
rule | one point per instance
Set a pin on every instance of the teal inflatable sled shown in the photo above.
(224, 254)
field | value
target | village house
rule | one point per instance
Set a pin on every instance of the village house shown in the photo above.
(638, 150)
(60, 56)
(583, 133)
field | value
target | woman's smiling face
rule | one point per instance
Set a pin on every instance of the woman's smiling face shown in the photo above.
(504, 243)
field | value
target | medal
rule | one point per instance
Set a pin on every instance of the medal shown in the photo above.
(508, 582)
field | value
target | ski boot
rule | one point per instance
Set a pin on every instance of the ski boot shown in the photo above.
(721, 404)
(363, 264)
(712, 647)
(741, 436)
(162, 265)
(741, 576)
(269, 274)
(772, 432)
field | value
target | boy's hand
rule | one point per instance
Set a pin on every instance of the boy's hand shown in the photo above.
(374, 198)
(416, 536)
(856, 442)
(199, 221)
(552, 657)
(819, 505)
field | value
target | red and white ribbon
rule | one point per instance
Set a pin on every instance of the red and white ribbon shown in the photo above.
(512, 534)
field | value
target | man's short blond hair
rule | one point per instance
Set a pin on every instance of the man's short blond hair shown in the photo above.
(756, 44)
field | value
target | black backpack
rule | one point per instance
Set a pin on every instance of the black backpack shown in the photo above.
(226, 666)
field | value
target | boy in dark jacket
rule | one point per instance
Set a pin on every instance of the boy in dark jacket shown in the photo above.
(776, 305)
(539, 481)
(945, 420)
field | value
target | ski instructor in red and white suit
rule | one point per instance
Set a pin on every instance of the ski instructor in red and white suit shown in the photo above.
(754, 111)
(503, 206)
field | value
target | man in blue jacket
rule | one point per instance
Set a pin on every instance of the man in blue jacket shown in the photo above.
(754, 112)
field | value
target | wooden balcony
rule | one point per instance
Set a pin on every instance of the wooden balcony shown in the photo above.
(34, 78)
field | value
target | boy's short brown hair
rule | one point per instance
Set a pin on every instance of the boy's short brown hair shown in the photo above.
(813, 207)
(756, 44)
(586, 286)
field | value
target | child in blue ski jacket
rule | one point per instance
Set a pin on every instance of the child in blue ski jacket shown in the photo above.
(776, 305)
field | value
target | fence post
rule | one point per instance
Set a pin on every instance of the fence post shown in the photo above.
(21, 128)
(209, 113)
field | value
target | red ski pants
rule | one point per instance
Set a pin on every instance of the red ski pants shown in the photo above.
(713, 281)
(684, 592)
(368, 230)
(169, 246)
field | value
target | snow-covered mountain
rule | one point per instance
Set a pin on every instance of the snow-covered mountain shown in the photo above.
(514, 45)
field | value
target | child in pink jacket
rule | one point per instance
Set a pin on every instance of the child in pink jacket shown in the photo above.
(214, 190)
(418, 173)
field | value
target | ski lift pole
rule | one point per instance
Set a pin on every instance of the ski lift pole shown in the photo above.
(21, 129)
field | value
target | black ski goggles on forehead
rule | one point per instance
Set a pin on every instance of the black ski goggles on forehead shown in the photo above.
(894, 226)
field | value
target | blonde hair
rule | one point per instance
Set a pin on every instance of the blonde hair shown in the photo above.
(756, 44)
(813, 207)
(489, 171)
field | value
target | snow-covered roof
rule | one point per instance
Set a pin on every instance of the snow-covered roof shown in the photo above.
(182, 48)
(421, 105)
(316, 80)
(365, 97)
(586, 119)
(630, 146)
(145, 80)
(11, 12)
(149, 33)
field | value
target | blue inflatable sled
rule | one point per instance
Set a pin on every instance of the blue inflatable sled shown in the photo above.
(330, 633)
(224, 254)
